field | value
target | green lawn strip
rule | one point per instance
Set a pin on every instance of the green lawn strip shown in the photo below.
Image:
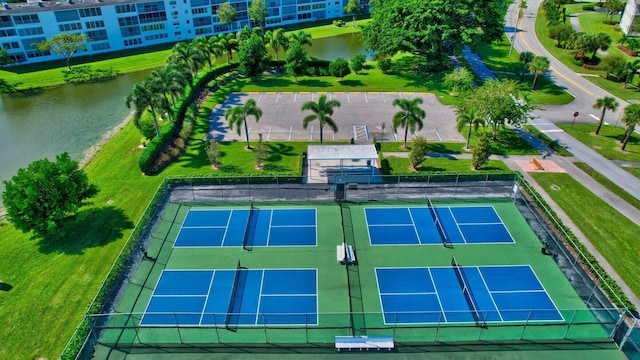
(433, 147)
(509, 142)
(607, 143)
(559, 149)
(635, 171)
(401, 165)
(611, 233)
(370, 80)
(593, 23)
(565, 57)
(496, 56)
(609, 184)
(546, 92)
(617, 87)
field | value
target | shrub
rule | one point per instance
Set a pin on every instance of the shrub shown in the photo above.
(385, 65)
(576, 62)
(418, 152)
(481, 152)
(588, 7)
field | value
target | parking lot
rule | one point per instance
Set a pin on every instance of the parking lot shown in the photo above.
(361, 116)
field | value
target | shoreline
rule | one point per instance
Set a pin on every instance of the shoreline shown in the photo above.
(93, 150)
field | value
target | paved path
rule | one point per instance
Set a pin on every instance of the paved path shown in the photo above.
(585, 94)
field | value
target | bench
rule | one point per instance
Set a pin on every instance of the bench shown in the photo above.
(347, 256)
(364, 342)
(537, 164)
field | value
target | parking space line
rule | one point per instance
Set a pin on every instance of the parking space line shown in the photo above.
(290, 132)
(259, 98)
(437, 134)
(348, 100)
(365, 98)
(269, 133)
(277, 97)
(383, 98)
(311, 133)
(295, 95)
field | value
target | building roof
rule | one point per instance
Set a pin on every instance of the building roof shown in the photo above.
(31, 6)
(341, 152)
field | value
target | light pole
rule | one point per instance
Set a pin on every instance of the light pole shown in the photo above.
(521, 7)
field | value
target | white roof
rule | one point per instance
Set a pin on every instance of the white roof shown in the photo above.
(341, 152)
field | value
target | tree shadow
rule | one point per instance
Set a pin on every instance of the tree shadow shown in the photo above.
(353, 83)
(275, 168)
(314, 83)
(228, 169)
(5, 287)
(278, 151)
(89, 228)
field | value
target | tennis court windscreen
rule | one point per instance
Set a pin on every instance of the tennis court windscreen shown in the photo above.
(466, 291)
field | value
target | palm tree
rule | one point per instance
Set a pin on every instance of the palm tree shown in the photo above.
(409, 117)
(277, 39)
(470, 119)
(188, 55)
(605, 103)
(228, 43)
(202, 43)
(631, 69)
(322, 110)
(302, 38)
(143, 97)
(525, 58)
(238, 116)
(631, 117)
(243, 35)
(539, 65)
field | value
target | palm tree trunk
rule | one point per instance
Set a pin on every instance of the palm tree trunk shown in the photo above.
(468, 136)
(246, 132)
(601, 121)
(535, 80)
(155, 122)
(495, 132)
(628, 137)
(320, 135)
(524, 66)
(406, 133)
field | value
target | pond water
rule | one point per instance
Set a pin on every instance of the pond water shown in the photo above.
(72, 118)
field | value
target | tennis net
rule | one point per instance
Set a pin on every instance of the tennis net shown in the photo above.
(232, 299)
(439, 227)
(466, 291)
(247, 232)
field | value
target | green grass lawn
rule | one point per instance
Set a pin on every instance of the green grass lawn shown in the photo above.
(612, 234)
(496, 56)
(559, 149)
(401, 166)
(593, 23)
(613, 187)
(607, 143)
(635, 171)
(433, 147)
(509, 142)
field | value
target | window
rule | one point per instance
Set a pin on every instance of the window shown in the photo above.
(156, 37)
(130, 31)
(195, 3)
(8, 32)
(318, 6)
(304, 16)
(88, 12)
(128, 21)
(100, 46)
(70, 27)
(177, 33)
(30, 31)
(203, 21)
(152, 17)
(17, 58)
(150, 7)
(304, 7)
(67, 15)
(132, 42)
(127, 8)
(94, 24)
(26, 19)
(203, 31)
(199, 11)
(97, 35)
(10, 45)
(152, 27)
(5, 21)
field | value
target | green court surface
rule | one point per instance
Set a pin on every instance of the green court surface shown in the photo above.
(348, 299)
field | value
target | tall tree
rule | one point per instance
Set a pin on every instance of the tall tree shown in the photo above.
(539, 65)
(227, 14)
(189, 55)
(258, 12)
(141, 99)
(631, 118)
(459, 79)
(4, 57)
(243, 35)
(525, 59)
(65, 44)
(605, 103)
(354, 7)
(228, 43)
(601, 41)
(322, 111)
(237, 116)
(301, 37)
(357, 63)
(296, 61)
(498, 103)
(40, 197)
(631, 68)
(410, 116)
(339, 68)
(277, 39)
(253, 57)
(433, 29)
(469, 118)
(614, 64)
(481, 152)
(560, 33)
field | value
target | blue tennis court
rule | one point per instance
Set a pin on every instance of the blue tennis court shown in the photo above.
(465, 294)
(234, 298)
(435, 225)
(245, 227)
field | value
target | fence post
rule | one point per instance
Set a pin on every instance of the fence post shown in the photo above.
(628, 333)
(566, 332)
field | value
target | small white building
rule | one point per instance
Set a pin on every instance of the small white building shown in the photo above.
(631, 13)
